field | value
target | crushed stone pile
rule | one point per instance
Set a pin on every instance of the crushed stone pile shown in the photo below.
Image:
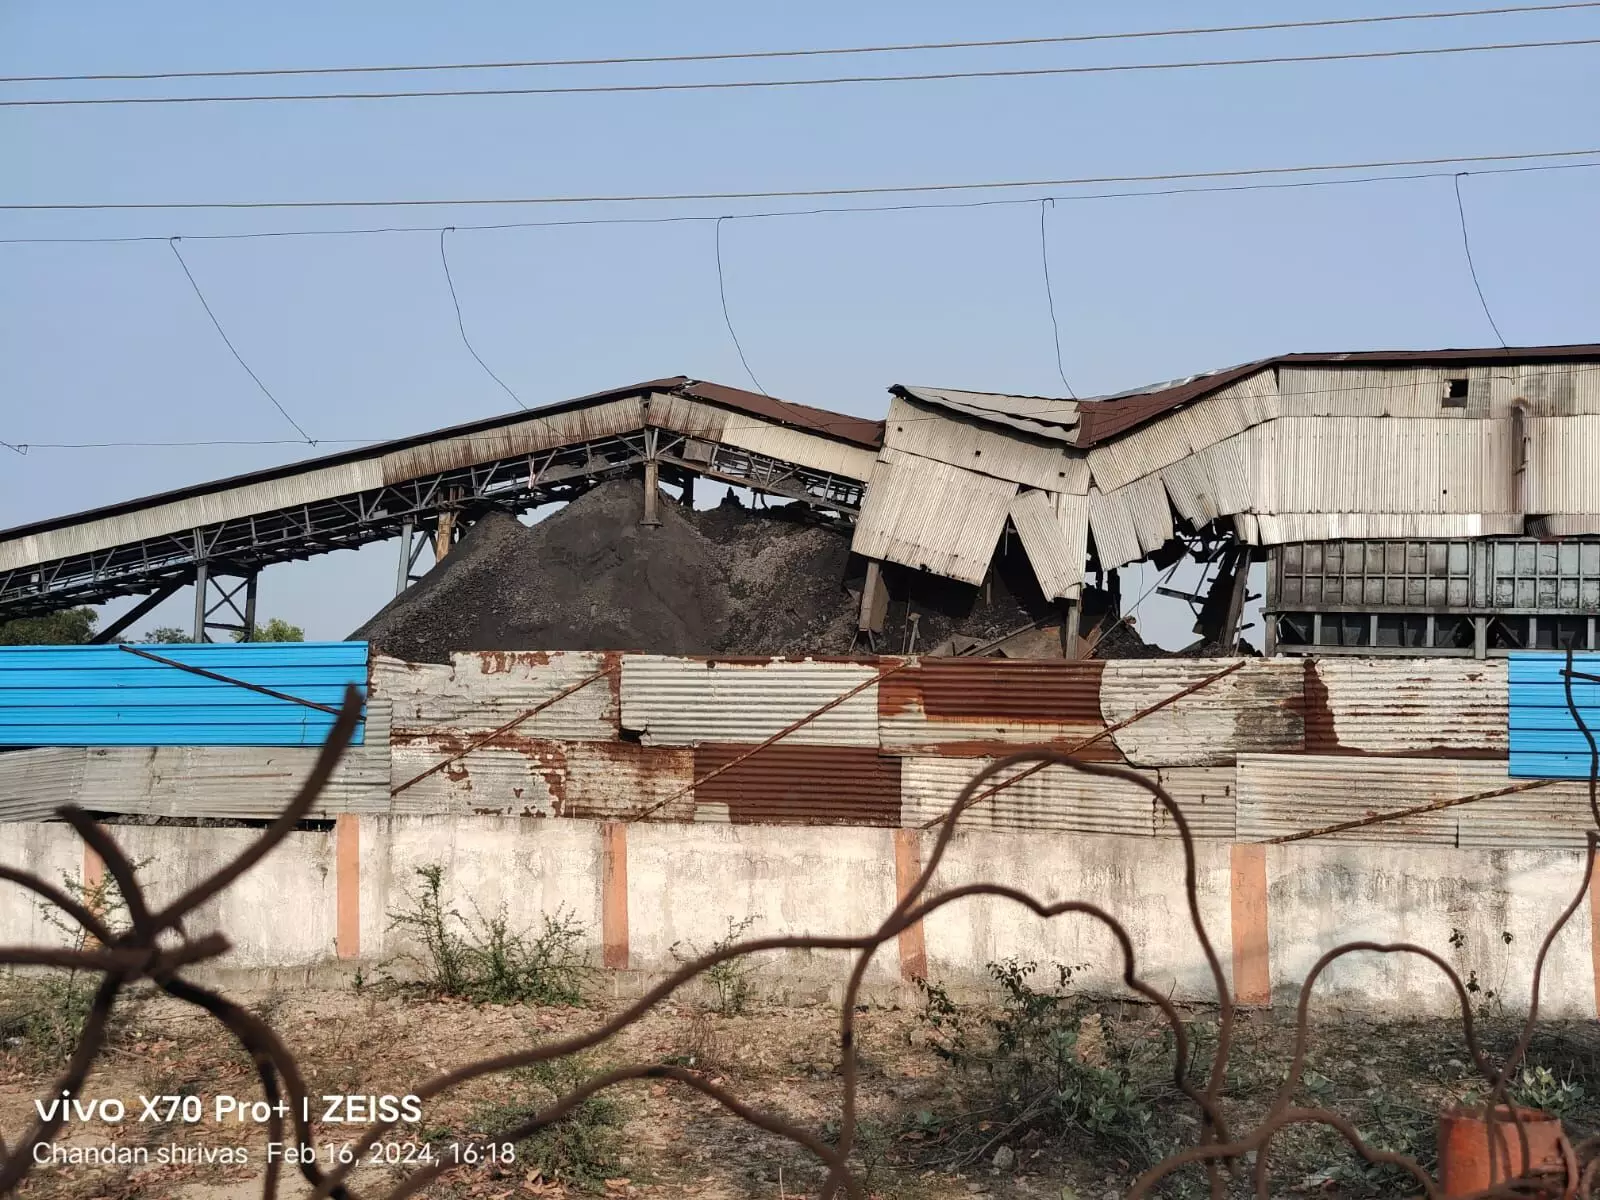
(723, 581)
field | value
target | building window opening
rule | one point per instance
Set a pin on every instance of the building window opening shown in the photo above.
(1455, 393)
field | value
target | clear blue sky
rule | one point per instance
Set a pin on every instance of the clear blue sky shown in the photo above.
(357, 338)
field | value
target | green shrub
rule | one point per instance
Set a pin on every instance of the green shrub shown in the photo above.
(582, 1148)
(731, 980)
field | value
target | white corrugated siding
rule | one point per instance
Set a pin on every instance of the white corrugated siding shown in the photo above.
(483, 689)
(522, 437)
(34, 783)
(1239, 406)
(1116, 538)
(962, 442)
(932, 516)
(684, 702)
(798, 446)
(1285, 794)
(1054, 540)
(182, 516)
(1054, 798)
(1563, 475)
(1207, 797)
(1258, 708)
(1410, 705)
(1332, 527)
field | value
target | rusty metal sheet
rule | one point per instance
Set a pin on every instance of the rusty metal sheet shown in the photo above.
(1258, 709)
(799, 785)
(1557, 816)
(1208, 798)
(517, 775)
(862, 431)
(483, 689)
(34, 783)
(687, 701)
(932, 516)
(976, 706)
(1056, 798)
(1293, 793)
(1428, 707)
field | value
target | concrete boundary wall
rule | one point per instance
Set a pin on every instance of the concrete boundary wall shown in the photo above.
(318, 907)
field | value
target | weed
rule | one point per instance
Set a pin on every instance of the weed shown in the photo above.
(1538, 1087)
(485, 960)
(42, 1014)
(582, 1147)
(732, 979)
(1043, 1065)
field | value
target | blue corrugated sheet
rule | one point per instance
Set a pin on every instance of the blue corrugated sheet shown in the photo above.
(105, 696)
(1546, 742)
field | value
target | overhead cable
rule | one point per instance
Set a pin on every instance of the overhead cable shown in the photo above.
(770, 214)
(226, 341)
(752, 55)
(1466, 245)
(797, 193)
(444, 259)
(722, 294)
(819, 81)
(1050, 297)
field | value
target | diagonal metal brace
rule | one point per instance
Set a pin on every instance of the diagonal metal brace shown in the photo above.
(249, 687)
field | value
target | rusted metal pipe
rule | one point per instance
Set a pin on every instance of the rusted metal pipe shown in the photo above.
(1432, 806)
(777, 737)
(1104, 733)
(249, 687)
(506, 728)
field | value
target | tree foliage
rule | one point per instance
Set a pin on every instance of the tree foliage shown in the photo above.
(275, 630)
(70, 627)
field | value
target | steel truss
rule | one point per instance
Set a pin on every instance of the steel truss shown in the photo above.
(242, 546)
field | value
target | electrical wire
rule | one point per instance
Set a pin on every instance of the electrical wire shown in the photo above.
(444, 259)
(804, 193)
(226, 341)
(751, 55)
(808, 212)
(722, 293)
(827, 81)
(1466, 245)
(1050, 297)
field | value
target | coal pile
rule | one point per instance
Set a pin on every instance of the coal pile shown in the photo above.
(725, 581)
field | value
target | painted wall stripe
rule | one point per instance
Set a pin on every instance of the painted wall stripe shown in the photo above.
(614, 895)
(347, 885)
(1594, 934)
(907, 866)
(1252, 974)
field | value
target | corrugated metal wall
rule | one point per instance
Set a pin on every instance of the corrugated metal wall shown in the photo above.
(105, 696)
(1547, 740)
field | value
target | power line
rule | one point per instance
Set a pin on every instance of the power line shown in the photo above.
(752, 55)
(722, 294)
(461, 325)
(801, 212)
(222, 333)
(800, 193)
(827, 81)
(1466, 245)
(1049, 292)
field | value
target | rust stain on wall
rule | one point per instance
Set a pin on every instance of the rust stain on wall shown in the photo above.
(1322, 736)
(801, 785)
(499, 662)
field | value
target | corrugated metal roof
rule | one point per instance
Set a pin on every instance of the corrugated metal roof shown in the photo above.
(1282, 794)
(103, 696)
(952, 438)
(1041, 416)
(686, 702)
(786, 784)
(1256, 709)
(1546, 741)
(34, 783)
(863, 431)
(932, 516)
(1054, 533)
(536, 777)
(1110, 416)
(799, 446)
(973, 706)
(1116, 536)
(1439, 707)
(1056, 798)
(483, 689)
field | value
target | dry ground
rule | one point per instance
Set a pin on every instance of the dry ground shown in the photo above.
(1390, 1079)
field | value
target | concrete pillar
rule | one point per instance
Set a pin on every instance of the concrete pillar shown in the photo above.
(201, 583)
(652, 492)
(874, 599)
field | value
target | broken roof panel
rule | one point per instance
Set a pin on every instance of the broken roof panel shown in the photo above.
(932, 516)
(962, 441)
(1054, 533)
(1041, 416)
